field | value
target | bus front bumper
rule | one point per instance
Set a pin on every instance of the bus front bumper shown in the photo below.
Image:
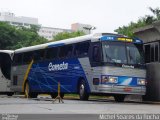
(115, 89)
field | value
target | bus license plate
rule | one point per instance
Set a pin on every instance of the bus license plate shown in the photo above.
(127, 89)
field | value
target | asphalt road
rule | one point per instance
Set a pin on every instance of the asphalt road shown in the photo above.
(72, 108)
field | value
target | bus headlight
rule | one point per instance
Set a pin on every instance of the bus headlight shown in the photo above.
(113, 79)
(104, 79)
(141, 82)
(109, 79)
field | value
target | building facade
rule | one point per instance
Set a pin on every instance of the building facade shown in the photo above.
(86, 28)
(46, 32)
(18, 21)
(49, 32)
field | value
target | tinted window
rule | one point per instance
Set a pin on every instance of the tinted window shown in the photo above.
(27, 57)
(135, 53)
(114, 52)
(81, 49)
(18, 58)
(65, 51)
(38, 55)
(96, 54)
(51, 53)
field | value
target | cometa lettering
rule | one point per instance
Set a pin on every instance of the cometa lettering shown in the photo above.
(128, 66)
(57, 67)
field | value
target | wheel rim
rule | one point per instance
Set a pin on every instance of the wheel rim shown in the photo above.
(26, 90)
(81, 91)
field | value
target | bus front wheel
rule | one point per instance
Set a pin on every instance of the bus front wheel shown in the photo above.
(83, 94)
(119, 98)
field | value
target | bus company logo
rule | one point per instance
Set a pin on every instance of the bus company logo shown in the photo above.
(57, 67)
(128, 66)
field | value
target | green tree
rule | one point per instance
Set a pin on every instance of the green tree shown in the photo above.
(143, 21)
(156, 12)
(66, 35)
(8, 35)
(12, 37)
(28, 37)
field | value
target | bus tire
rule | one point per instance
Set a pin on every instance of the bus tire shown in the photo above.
(83, 94)
(54, 95)
(119, 98)
(10, 93)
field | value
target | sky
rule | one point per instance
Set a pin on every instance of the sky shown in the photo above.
(105, 15)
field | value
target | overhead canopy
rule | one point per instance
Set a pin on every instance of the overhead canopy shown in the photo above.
(149, 33)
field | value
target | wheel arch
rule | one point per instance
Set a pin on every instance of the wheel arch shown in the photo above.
(79, 81)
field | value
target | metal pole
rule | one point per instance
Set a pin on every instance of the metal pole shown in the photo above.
(59, 94)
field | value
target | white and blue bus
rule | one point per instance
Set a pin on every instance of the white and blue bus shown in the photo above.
(102, 63)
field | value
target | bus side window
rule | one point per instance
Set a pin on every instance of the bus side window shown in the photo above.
(81, 49)
(17, 59)
(51, 53)
(66, 51)
(28, 56)
(38, 55)
(96, 54)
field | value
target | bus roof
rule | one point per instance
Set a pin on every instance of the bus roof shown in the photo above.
(7, 51)
(56, 43)
(93, 37)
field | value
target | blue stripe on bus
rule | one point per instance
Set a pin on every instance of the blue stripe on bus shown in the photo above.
(55, 45)
(125, 80)
(43, 80)
(111, 38)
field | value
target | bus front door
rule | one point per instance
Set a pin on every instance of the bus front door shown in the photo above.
(5, 70)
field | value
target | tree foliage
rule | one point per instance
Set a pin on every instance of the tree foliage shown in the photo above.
(7, 35)
(66, 35)
(143, 21)
(12, 37)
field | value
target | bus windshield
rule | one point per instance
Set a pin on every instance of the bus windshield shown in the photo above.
(121, 52)
(135, 53)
